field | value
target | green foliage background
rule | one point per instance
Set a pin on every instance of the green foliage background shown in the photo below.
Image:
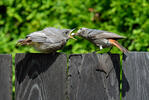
(129, 18)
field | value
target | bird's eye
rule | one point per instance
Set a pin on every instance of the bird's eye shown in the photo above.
(67, 32)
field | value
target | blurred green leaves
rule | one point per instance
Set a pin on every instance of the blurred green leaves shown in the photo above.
(128, 18)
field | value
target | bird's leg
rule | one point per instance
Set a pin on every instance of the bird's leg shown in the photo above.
(110, 49)
(101, 47)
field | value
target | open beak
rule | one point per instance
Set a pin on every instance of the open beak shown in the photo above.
(77, 33)
(72, 30)
(71, 35)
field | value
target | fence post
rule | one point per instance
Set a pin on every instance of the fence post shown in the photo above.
(5, 77)
(40, 76)
(135, 80)
(87, 82)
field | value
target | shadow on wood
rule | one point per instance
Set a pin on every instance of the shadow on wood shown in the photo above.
(40, 76)
(87, 83)
(136, 76)
(30, 65)
(125, 85)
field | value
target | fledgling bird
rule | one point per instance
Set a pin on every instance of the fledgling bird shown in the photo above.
(100, 38)
(47, 40)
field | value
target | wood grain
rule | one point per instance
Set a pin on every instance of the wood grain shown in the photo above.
(87, 77)
(135, 76)
(5, 77)
(40, 76)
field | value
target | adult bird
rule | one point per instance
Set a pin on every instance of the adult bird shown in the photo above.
(101, 38)
(47, 40)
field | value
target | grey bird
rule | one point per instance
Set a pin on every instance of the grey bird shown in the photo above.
(100, 38)
(47, 40)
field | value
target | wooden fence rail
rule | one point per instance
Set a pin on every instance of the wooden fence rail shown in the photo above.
(40, 76)
(86, 82)
(75, 77)
(136, 76)
(5, 77)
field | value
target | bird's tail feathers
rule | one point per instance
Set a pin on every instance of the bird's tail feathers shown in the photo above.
(114, 42)
(26, 41)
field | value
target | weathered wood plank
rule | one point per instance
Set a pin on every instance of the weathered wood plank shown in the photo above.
(5, 77)
(86, 82)
(135, 81)
(40, 76)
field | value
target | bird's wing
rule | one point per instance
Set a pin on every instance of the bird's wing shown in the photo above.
(37, 36)
(41, 36)
(51, 31)
(61, 33)
(104, 34)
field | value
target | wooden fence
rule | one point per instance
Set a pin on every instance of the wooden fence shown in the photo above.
(75, 77)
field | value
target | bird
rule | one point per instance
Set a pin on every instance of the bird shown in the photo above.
(101, 38)
(47, 40)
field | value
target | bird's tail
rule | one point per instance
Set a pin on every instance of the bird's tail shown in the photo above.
(26, 41)
(114, 42)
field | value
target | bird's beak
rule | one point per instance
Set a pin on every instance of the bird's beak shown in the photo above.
(72, 30)
(71, 35)
(77, 33)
